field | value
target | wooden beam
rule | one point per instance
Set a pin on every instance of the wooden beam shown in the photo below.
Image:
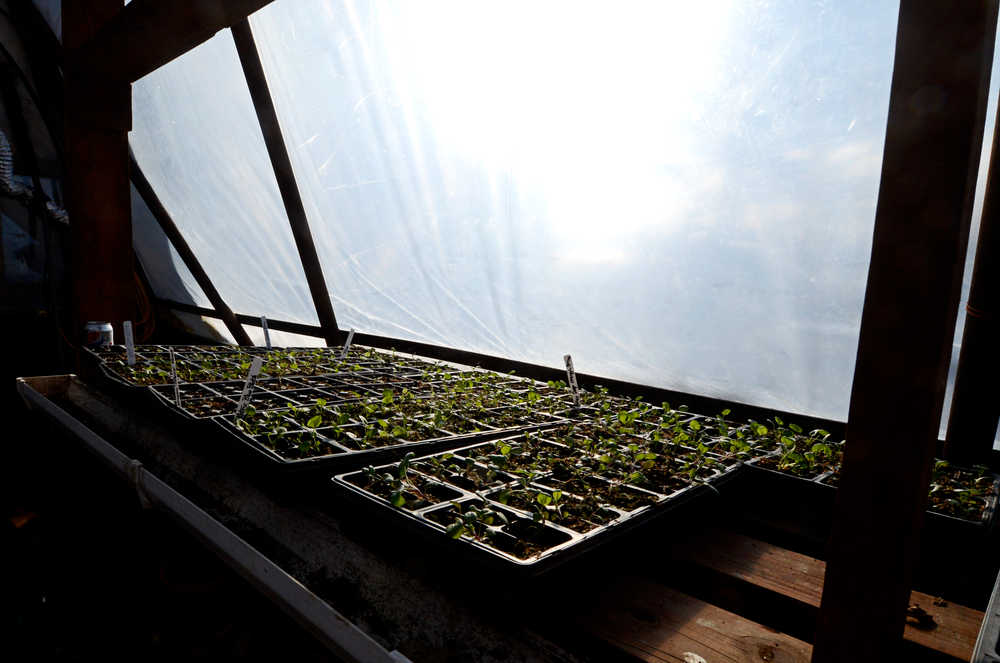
(975, 408)
(937, 108)
(654, 623)
(800, 578)
(148, 34)
(282, 165)
(98, 197)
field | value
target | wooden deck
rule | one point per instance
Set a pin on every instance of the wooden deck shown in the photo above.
(649, 621)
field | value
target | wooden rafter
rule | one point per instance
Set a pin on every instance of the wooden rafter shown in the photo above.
(147, 34)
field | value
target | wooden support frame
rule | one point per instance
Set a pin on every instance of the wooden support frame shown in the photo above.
(97, 182)
(148, 34)
(176, 239)
(283, 173)
(937, 109)
(975, 408)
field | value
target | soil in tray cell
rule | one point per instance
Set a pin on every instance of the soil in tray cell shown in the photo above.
(414, 492)
(959, 492)
(617, 495)
(143, 373)
(391, 431)
(525, 539)
(571, 512)
(309, 396)
(694, 469)
(227, 388)
(802, 471)
(734, 450)
(316, 416)
(504, 417)
(520, 537)
(360, 380)
(661, 479)
(348, 393)
(320, 381)
(453, 423)
(265, 400)
(188, 391)
(804, 458)
(390, 379)
(463, 473)
(279, 384)
(526, 447)
(208, 407)
(298, 444)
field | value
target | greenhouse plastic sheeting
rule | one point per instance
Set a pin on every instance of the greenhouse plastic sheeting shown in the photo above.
(168, 275)
(196, 137)
(678, 194)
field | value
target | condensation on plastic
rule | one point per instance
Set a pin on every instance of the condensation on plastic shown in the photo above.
(681, 195)
(195, 135)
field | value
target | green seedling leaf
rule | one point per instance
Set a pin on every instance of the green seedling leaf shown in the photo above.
(315, 422)
(396, 498)
(456, 529)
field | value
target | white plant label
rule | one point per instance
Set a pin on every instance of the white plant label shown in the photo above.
(129, 342)
(248, 386)
(267, 332)
(173, 377)
(571, 379)
(347, 344)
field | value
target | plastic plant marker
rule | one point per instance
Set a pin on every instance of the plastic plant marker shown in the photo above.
(173, 377)
(347, 345)
(248, 386)
(571, 379)
(267, 332)
(129, 342)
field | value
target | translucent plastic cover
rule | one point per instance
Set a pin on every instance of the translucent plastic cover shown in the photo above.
(196, 137)
(679, 194)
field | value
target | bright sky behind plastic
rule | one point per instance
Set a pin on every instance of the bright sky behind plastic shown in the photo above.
(678, 194)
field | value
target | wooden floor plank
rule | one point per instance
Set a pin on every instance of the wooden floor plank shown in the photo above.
(660, 625)
(800, 577)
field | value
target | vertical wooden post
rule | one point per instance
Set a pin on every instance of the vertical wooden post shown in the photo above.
(937, 109)
(97, 120)
(975, 408)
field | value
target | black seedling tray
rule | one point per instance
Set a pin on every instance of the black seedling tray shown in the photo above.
(561, 543)
(345, 456)
(818, 496)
